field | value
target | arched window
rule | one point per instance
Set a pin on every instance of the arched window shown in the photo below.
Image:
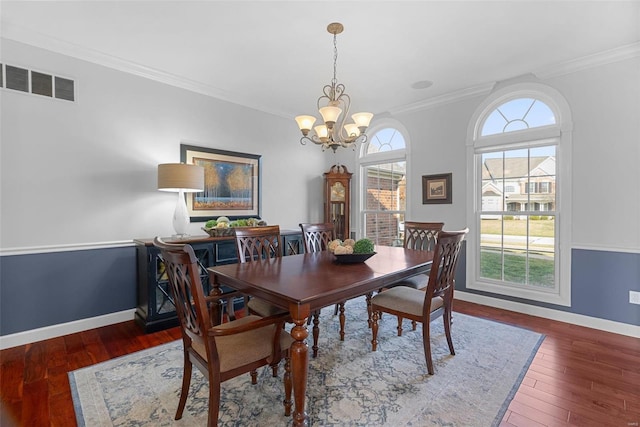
(518, 114)
(382, 183)
(518, 147)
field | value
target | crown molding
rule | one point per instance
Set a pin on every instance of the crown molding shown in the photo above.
(446, 98)
(590, 61)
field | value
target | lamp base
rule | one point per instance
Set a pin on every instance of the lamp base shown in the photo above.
(181, 217)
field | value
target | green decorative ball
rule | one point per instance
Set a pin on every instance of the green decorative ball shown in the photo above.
(363, 246)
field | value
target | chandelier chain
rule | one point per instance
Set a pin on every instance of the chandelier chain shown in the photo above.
(335, 59)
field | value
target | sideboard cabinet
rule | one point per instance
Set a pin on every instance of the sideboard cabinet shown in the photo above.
(155, 309)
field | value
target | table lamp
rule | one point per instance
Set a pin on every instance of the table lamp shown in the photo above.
(180, 178)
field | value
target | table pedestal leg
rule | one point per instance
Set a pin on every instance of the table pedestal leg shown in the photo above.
(299, 363)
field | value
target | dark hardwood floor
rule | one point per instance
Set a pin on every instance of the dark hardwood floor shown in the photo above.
(579, 377)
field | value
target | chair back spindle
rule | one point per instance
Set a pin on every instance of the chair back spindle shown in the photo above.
(421, 236)
(317, 236)
(254, 243)
(442, 279)
(183, 271)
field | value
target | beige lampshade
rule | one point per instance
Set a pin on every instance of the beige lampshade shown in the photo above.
(321, 131)
(362, 119)
(352, 129)
(180, 176)
(305, 122)
(330, 114)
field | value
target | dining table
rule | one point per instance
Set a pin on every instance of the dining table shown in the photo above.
(307, 282)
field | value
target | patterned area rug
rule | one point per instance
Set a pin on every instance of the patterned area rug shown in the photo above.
(348, 384)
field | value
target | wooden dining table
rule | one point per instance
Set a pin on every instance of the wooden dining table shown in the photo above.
(307, 282)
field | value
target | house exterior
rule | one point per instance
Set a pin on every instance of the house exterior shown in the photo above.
(519, 184)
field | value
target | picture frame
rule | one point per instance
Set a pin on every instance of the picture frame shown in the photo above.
(436, 189)
(232, 183)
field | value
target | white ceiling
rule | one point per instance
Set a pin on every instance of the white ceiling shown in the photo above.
(276, 55)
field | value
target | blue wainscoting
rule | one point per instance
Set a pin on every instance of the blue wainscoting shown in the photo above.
(600, 285)
(601, 282)
(38, 290)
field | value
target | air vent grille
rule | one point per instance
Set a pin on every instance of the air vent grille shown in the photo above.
(37, 83)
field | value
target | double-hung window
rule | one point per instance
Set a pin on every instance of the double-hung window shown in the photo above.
(383, 185)
(518, 152)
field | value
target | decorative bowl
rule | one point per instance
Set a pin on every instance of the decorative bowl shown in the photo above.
(353, 258)
(220, 232)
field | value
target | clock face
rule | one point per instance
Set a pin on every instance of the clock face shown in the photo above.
(337, 192)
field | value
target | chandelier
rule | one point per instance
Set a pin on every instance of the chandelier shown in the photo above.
(333, 106)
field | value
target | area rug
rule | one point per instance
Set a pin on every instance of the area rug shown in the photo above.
(349, 385)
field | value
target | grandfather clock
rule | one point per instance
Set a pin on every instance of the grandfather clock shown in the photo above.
(337, 199)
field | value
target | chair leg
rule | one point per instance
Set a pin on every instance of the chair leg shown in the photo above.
(426, 342)
(400, 326)
(447, 330)
(335, 310)
(186, 382)
(254, 377)
(342, 321)
(310, 318)
(214, 401)
(369, 314)
(414, 325)
(274, 369)
(287, 385)
(246, 306)
(374, 330)
(316, 332)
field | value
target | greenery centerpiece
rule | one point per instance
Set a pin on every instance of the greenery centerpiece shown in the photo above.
(223, 226)
(351, 251)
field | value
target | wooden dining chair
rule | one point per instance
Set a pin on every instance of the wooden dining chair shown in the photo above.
(420, 236)
(224, 351)
(425, 306)
(255, 243)
(316, 238)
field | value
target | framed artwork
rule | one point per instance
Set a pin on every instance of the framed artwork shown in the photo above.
(436, 189)
(231, 183)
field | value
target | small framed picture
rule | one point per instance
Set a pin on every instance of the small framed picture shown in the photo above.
(436, 188)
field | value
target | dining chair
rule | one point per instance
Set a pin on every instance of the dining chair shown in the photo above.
(316, 238)
(425, 305)
(224, 351)
(254, 243)
(420, 236)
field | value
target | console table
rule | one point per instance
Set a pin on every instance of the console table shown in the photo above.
(155, 310)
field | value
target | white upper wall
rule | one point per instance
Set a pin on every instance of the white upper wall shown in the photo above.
(85, 172)
(605, 105)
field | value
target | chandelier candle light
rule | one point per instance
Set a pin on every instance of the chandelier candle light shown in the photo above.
(334, 132)
(180, 178)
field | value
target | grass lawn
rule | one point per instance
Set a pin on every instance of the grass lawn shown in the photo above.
(541, 269)
(516, 227)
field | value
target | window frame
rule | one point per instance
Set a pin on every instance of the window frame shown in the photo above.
(364, 160)
(558, 134)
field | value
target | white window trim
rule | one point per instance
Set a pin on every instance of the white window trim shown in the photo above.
(362, 159)
(562, 132)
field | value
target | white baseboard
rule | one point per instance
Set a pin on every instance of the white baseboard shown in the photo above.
(53, 331)
(548, 313)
